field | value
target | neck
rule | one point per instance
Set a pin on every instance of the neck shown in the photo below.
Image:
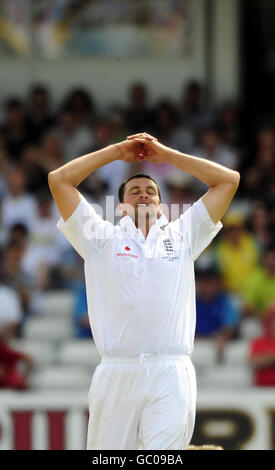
(144, 225)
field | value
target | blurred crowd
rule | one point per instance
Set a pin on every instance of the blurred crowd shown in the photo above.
(235, 276)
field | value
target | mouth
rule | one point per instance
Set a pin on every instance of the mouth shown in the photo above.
(144, 205)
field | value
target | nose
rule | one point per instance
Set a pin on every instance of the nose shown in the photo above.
(143, 197)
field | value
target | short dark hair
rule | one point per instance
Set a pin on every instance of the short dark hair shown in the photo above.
(121, 188)
(14, 103)
(19, 226)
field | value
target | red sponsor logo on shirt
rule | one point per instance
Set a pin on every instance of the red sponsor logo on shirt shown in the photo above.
(127, 254)
(127, 248)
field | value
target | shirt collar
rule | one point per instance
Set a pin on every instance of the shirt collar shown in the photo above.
(127, 223)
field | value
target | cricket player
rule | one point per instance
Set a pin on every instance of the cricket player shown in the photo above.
(140, 288)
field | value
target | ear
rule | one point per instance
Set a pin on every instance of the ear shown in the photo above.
(160, 210)
(121, 209)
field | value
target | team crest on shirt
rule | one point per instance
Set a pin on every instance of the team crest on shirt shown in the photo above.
(169, 250)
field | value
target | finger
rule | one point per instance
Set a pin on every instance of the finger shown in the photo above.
(134, 136)
(149, 136)
(139, 134)
(143, 140)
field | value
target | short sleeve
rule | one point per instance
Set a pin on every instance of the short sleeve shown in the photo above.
(85, 227)
(198, 228)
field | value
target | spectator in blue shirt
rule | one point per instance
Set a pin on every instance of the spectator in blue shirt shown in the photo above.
(217, 315)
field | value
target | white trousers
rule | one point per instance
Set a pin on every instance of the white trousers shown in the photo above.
(144, 403)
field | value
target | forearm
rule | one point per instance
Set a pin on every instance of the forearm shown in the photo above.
(75, 171)
(208, 172)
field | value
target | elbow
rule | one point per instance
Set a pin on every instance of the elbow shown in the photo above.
(236, 178)
(52, 178)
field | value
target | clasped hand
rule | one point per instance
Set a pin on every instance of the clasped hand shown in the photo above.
(143, 146)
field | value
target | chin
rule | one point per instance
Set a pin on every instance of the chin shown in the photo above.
(148, 212)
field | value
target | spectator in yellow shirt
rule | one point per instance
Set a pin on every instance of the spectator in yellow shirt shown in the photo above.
(237, 253)
(259, 289)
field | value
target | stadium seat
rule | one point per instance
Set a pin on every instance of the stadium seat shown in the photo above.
(79, 352)
(227, 377)
(47, 328)
(60, 377)
(205, 352)
(58, 303)
(42, 352)
(236, 352)
(250, 328)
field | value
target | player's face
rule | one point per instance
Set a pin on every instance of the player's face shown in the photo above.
(141, 194)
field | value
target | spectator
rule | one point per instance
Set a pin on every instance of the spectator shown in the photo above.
(83, 106)
(82, 327)
(117, 121)
(38, 161)
(18, 234)
(193, 111)
(182, 139)
(237, 253)
(51, 152)
(259, 224)
(17, 205)
(228, 124)
(73, 136)
(262, 352)
(180, 187)
(39, 118)
(3, 171)
(42, 253)
(180, 193)
(13, 275)
(217, 316)
(259, 289)
(213, 148)
(11, 374)
(71, 269)
(259, 167)
(165, 119)
(11, 315)
(35, 171)
(14, 130)
(108, 177)
(138, 114)
(11, 322)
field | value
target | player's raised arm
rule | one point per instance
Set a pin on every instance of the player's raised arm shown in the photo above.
(222, 181)
(64, 181)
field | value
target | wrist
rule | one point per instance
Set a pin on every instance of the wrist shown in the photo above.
(116, 150)
(172, 156)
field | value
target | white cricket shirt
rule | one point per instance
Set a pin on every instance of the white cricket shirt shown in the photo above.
(140, 292)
